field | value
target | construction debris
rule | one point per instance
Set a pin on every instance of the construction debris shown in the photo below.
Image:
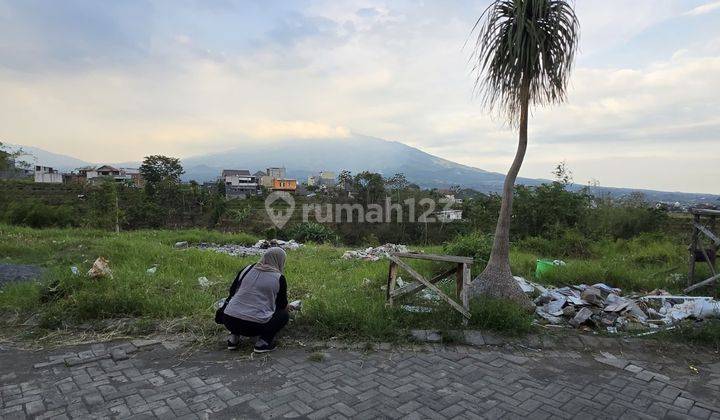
(602, 307)
(243, 251)
(204, 282)
(374, 253)
(100, 268)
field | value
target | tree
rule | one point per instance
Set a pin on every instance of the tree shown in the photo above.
(158, 169)
(523, 56)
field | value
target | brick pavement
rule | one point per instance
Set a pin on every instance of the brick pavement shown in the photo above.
(148, 379)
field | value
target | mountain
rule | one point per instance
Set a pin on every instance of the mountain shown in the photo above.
(34, 155)
(303, 157)
(358, 153)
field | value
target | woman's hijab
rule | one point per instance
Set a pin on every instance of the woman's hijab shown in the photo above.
(272, 260)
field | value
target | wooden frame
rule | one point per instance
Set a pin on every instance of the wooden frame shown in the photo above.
(696, 245)
(461, 269)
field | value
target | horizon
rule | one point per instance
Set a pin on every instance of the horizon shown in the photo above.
(154, 77)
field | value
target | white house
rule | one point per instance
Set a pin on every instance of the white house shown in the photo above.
(446, 216)
(239, 183)
(47, 175)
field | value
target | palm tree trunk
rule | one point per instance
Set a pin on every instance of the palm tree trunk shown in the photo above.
(496, 281)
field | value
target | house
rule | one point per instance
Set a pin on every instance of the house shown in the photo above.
(324, 178)
(267, 178)
(282, 184)
(98, 174)
(446, 216)
(47, 175)
(240, 184)
(263, 179)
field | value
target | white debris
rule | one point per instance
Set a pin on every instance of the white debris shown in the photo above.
(220, 303)
(259, 248)
(295, 305)
(152, 270)
(416, 309)
(100, 268)
(74, 270)
(374, 254)
(204, 282)
(400, 282)
(181, 244)
(602, 306)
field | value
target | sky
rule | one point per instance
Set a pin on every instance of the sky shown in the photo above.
(114, 81)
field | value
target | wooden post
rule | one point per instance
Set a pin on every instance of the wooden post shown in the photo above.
(466, 290)
(459, 280)
(693, 248)
(392, 276)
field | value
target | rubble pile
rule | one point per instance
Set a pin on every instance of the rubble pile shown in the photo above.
(258, 249)
(374, 253)
(603, 307)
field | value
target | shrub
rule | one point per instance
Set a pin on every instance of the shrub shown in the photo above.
(312, 232)
(500, 315)
(568, 243)
(39, 215)
(476, 245)
(624, 221)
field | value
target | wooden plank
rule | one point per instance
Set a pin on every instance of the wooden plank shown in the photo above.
(434, 257)
(693, 247)
(416, 287)
(466, 289)
(705, 212)
(392, 275)
(707, 260)
(707, 233)
(459, 281)
(702, 283)
(429, 285)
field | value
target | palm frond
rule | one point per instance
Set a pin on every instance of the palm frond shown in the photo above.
(524, 46)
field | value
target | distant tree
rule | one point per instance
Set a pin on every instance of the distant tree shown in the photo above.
(345, 178)
(370, 186)
(9, 159)
(157, 169)
(523, 56)
(563, 174)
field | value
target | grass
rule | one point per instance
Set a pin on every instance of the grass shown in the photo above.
(342, 298)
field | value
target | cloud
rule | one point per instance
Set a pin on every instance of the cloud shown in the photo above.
(183, 79)
(704, 9)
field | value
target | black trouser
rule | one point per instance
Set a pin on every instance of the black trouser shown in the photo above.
(265, 331)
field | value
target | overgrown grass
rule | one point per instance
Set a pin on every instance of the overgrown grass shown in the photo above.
(343, 298)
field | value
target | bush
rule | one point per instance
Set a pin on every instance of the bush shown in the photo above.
(624, 222)
(39, 215)
(312, 232)
(476, 245)
(568, 243)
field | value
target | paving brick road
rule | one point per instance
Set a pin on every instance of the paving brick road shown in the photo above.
(146, 379)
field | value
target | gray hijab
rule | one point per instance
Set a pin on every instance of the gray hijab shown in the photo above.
(272, 260)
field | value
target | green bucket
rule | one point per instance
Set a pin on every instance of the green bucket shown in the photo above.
(543, 266)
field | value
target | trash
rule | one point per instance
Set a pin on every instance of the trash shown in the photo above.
(181, 244)
(374, 254)
(428, 294)
(366, 282)
(75, 270)
(528, 286)
(204, 282)
(593, 296)
(400, 282)
(602, 306)
(295, 305)
(220, 303)
(416, 309)
(151, 270)
(259, 248)
(581, 317)
(100, 268)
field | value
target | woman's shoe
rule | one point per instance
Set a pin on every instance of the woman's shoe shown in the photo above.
(262, 347)
(233, 342)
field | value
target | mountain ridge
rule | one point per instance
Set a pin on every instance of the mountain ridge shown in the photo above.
(303, 157)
